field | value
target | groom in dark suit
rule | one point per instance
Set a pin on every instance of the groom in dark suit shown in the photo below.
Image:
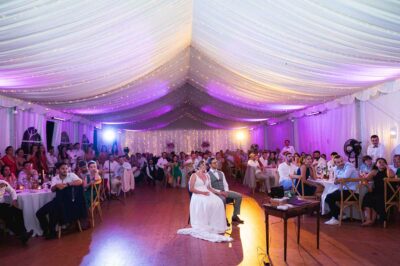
(218, 182)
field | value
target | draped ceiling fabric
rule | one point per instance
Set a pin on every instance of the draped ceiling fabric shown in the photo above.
(217, 64)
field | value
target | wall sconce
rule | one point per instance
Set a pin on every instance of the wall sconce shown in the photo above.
(393, 132)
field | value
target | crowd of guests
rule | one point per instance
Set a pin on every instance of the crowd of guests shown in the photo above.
(293, 167)
(74, 166)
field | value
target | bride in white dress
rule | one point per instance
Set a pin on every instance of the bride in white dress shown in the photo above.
(207, 211)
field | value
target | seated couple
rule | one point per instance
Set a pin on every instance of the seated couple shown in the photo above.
(207, 206)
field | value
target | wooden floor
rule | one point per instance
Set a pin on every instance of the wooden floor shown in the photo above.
(143, 232)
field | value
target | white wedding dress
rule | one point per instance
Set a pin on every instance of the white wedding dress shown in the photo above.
(207, 215)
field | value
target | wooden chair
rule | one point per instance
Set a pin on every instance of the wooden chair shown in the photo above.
(391, 195)
(95, 201)
(300, 184)
(352, 199)
(59, 228)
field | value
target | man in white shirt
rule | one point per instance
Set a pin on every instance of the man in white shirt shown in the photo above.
(287, 148)
(110, 166)
(264, 158)
(11, 214)
(75, 154)
(286, 169)
(218, 182)
(375, 149)
(63, 180)
(319, 164)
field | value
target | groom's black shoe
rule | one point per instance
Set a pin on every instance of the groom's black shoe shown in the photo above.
(227, 222)
(237, 220)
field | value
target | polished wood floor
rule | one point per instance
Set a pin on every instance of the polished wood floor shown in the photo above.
(143, 232)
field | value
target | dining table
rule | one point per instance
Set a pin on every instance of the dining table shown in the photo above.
(30, 201)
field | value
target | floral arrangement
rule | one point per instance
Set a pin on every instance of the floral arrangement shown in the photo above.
(170, 145)
(205, 144)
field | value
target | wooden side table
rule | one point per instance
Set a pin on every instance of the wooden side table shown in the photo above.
(296, 211)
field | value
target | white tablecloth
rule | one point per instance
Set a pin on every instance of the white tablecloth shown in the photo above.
(30, 203)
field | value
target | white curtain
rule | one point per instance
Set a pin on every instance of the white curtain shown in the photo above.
(24, 120)
(5, 132)
(69, 128)
(186, 140)
(257, 136)
(381, 116)
(277, 134)
(327, 132)
(56, 135)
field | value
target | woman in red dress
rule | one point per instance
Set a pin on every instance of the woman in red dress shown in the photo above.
(9, 160)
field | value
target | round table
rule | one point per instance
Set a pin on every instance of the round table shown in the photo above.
(30, 201)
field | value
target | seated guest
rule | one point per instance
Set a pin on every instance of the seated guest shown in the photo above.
(331, 163)
(255, 164)
(344, 170)
(59, 182)
(286, 169)
(116, 178)
(366, 165)
(34, 148)
(307, 173)
(39, 160)
(11, 214)
(20, 159)
(9, 159)
(296, 160)
(151, 172)
(264, 158)
(375, 149)
(89, 154)
(8, 176)
(51, 160)
(218, 183)
(319, 164)
(374, 201)
(75, 154)
(272, 160)
(28, 175)
(396, 165)
(90, 176)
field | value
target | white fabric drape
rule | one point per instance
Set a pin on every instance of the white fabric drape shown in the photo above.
(68, 55)
(257, 136)
(277, 134)
(56, 135)
(24, 120)
(185, 140)
(5, 131)
(327, 132)
(381, 116)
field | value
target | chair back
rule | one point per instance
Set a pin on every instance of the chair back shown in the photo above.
(95, 193)
(352, 199)
(250, 177)
(296, 184)
(392, 193)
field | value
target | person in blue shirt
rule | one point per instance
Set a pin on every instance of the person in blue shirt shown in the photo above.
(344, 170)
(366, 165)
